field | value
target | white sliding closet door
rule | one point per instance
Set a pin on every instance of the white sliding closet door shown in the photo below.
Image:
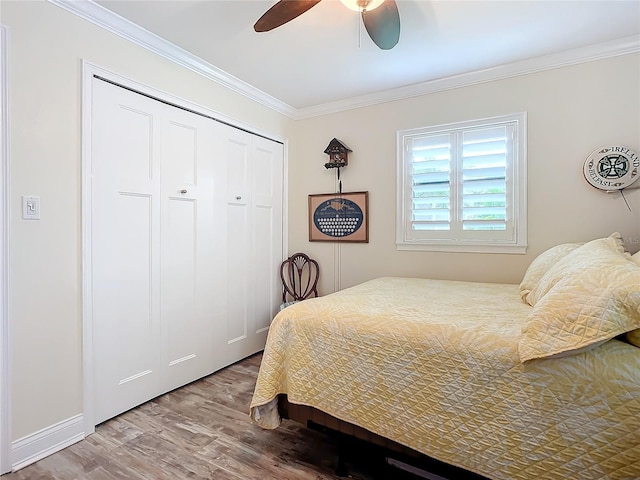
(186, 243)
(125, 231)
(251, 234)
(152, 250)
(188, 253)
(266, 247)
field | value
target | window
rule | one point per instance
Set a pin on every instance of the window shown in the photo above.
(462, 186)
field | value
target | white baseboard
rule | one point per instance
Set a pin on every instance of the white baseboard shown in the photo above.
(43, 443)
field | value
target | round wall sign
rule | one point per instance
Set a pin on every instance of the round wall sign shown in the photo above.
(612, 168)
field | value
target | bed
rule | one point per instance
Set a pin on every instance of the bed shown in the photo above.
(539, 380)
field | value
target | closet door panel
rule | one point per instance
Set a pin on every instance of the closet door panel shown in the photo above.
(125, 253)
(237, 272)
(265, 278)
(181, 148)
(236, 171)
(125, 304)
(238, 264)
(267, 183)
(187, 327)
(179, 280)
(133, 307)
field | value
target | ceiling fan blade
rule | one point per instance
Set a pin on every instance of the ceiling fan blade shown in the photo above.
(383, 24)
(282, 12)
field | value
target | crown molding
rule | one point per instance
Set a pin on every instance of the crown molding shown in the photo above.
(124, 28)
(622, 46)
(118, 25)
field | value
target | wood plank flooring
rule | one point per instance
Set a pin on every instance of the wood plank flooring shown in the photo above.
(201, 431)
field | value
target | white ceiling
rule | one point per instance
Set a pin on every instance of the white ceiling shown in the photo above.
(323, 57)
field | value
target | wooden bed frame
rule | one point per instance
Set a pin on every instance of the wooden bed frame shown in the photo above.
(395, 454)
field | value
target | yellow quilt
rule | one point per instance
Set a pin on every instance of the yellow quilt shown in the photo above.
(434, 365)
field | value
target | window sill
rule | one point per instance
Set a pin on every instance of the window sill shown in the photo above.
(463, 248)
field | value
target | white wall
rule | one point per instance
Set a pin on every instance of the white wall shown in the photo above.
(46, 47)
(571, 112)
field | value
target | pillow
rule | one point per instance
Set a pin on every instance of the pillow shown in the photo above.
(541, 264)
(636, 257)
(569, 353)
(575, 261)
(593, 299)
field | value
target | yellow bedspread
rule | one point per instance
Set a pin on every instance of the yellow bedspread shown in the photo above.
(434, 365)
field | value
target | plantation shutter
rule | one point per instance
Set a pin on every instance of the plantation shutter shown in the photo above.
(460, 184)
(459, 180)
(431, 183)
(484, 178)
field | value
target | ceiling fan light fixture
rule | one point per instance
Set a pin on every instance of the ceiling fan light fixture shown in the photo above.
(361, 5)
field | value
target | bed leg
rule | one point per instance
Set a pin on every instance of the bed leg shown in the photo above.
(342, 469)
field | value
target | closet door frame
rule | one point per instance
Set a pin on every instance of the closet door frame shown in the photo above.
(89, 73)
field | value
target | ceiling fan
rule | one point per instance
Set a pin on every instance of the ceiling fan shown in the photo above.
(380, 18)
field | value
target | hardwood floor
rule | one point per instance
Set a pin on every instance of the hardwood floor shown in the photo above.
(202, 431)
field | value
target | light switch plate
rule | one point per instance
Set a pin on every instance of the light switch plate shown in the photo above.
(30, 207)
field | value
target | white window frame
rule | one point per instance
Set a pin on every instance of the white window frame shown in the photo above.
(515, 240)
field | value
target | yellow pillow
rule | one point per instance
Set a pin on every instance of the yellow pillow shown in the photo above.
(575, 261)
(541, 265)
(591, 301)
(636, 257)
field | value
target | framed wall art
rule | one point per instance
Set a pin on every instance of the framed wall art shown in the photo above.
(339, 217)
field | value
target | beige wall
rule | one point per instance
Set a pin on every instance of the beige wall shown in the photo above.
(46, 47)
(571, 112)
